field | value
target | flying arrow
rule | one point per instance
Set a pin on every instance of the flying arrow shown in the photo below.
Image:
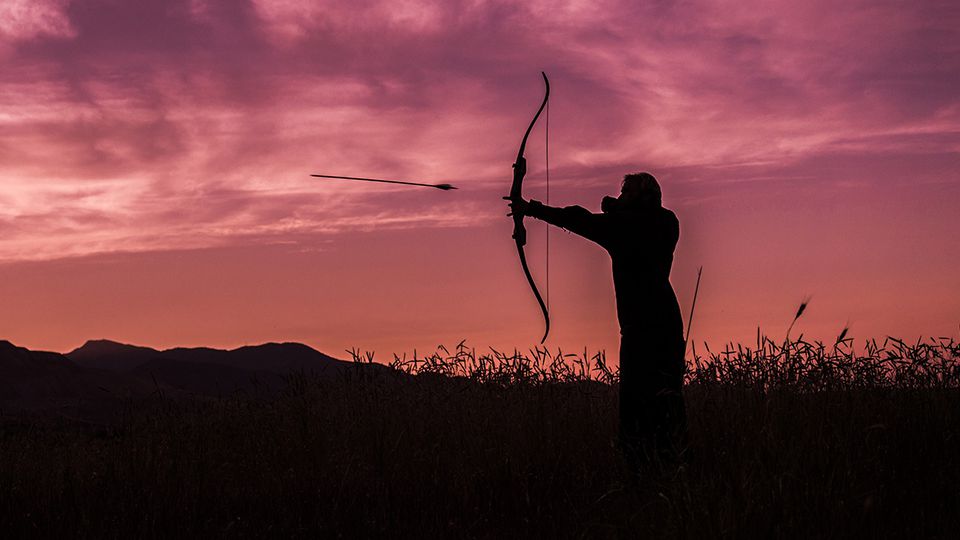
(444, 187)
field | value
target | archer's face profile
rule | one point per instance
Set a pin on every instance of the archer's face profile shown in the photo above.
(639, 190)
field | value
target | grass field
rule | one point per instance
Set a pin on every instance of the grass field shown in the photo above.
(786, 439)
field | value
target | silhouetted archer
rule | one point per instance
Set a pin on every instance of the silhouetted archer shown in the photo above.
(640, 235)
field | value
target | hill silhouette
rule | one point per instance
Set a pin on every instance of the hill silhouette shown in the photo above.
(111, 355)
(280, 358)
(101, 374)
(49, 381)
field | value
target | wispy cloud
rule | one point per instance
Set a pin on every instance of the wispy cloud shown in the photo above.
(145, 125)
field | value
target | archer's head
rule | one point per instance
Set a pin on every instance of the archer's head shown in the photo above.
(640, 190)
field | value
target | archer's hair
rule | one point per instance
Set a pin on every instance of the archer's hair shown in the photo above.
(646, 183)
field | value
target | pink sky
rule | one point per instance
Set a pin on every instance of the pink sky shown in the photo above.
(154, 161)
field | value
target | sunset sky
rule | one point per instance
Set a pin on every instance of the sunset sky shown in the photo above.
(154, 162)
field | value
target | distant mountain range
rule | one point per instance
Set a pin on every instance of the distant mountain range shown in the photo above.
(102, 372)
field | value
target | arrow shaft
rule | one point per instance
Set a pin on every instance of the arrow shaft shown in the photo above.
(382, 181)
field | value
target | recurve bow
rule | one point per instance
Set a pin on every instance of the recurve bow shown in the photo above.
(516, 193)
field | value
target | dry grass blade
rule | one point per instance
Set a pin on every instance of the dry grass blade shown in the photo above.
(800, 310)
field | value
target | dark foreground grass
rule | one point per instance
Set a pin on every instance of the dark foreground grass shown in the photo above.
(795, 439)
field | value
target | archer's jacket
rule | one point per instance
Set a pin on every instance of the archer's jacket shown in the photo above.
(640, 244)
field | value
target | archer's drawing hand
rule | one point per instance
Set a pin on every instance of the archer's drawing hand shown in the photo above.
(518, 206)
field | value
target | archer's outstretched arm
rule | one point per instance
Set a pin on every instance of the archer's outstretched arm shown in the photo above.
(576, 219)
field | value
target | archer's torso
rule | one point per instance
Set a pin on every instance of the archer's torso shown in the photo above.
(641, 245)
